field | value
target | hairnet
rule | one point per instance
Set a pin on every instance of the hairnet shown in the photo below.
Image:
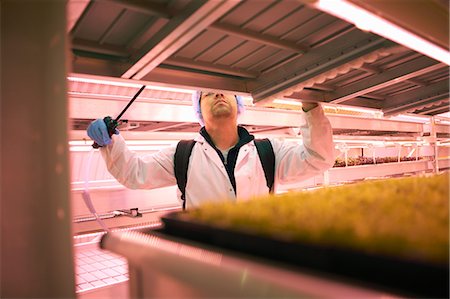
(198, 112)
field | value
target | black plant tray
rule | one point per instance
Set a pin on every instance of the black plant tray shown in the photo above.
(406, 277)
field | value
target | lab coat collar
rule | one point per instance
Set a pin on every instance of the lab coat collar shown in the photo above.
(244, 137)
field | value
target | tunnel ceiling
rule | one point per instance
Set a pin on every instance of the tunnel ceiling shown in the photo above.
(269, 49)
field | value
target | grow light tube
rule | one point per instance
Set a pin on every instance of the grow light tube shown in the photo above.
(102, 81)
(367, 142)
(354, 108)
(378, 142)
(287, 102)
(87, 148)
(124, 83)
(368, 21)
(165, 142)
(330, 106)
(411, 118)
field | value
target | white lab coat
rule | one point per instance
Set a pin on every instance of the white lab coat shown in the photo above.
(207, 179)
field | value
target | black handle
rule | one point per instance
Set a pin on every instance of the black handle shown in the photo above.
(111, 126)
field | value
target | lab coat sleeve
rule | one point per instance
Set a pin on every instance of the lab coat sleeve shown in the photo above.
(137, 171)
(296, 162)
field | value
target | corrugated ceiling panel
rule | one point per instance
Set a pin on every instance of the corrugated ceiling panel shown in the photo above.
(349, 78)
(396, 89)
(289, 22)
(148, 30)
(328, 33)
(268, 18)
(225, 47)
(245, 12)
(253, 60)
(240, 54)
(301, 20)
(273, 60)
(313, 59)
(96, 21)
(394, 60)
(307, 29)
(200, 44)
(222, 46)
(126, 27)
(437, 75)
(108, 29)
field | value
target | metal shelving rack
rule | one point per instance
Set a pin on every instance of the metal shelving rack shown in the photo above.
(163, 115)
(160, 118)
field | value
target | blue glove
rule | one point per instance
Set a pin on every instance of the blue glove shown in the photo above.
(98, 132)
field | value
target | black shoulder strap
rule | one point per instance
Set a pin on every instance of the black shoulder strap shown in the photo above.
(267, 157)
(181, 164)
(183, 152)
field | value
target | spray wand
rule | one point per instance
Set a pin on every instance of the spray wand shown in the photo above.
(112, 124)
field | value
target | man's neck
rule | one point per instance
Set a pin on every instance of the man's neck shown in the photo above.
(223, 134)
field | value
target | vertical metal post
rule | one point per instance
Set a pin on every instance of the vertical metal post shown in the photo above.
(374, 157)
(326, 178)
(417, 152)
(433, 136)
(36, 238)
(346, 154)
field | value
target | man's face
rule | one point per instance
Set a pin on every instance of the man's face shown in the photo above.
(216, 105)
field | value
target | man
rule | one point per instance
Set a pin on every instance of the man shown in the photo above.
(224, 163)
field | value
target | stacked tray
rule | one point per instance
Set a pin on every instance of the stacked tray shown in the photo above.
(390, 234)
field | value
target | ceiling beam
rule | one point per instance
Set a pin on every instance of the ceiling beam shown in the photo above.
(370, 69)
(417, 98)
(435, 89)
(211, 67)
(307, 95)
(184, 78)
(323, 62)
(386, 78)
(95, 47)
(258, 37)
(99, 67)
(155, 9)
(324, 87)
(160, 75)
(416, 82)
(433, 110)
(415, 105)
(373, 97)
(179, 31)
(366, 103)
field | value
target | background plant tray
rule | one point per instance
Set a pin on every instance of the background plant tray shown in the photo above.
(406, 277)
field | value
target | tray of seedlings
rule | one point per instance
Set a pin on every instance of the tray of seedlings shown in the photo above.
(390, 233)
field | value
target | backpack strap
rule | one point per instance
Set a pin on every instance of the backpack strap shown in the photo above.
(183, 153)
(181, 164)
(267, 157)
